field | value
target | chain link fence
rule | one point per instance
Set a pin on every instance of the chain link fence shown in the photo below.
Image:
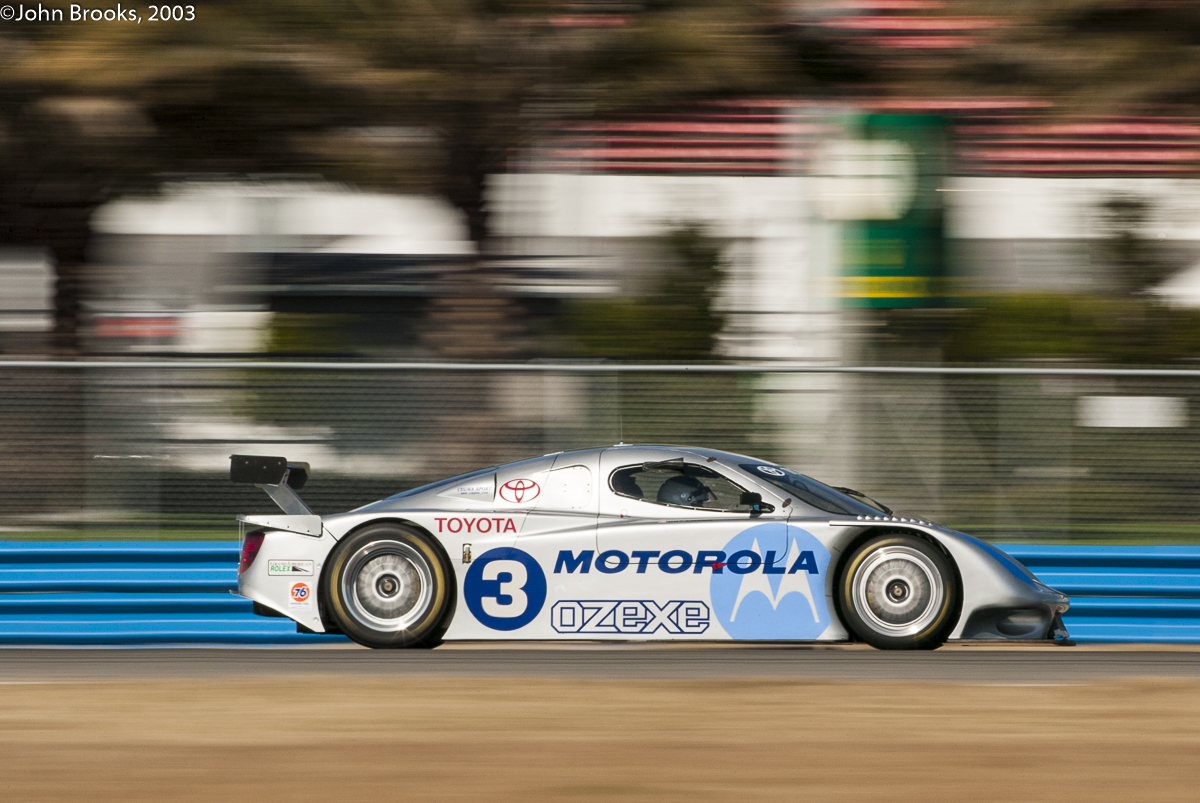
(140, 449)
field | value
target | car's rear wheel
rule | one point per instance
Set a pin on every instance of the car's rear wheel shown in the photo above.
(388, 586)
(899, 592)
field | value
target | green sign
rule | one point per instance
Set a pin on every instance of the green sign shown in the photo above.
(893, 246)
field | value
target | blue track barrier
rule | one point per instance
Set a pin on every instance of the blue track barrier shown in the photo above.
(179, 592)
(1122, 593)
(130, 592)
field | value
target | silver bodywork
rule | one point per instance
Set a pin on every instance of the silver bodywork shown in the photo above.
(587, 571)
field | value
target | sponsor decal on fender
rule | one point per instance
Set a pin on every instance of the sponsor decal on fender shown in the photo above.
(289, 567)
(475, 524)
(520, 491)
(505, 588)
(742, 561)
(771, 605)
(301, 596)
(629, 616)
(754, 594)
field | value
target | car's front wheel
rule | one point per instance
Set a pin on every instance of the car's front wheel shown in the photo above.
(899, 592)
(387, 586)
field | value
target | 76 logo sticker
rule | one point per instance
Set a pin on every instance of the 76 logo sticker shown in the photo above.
(301, 596)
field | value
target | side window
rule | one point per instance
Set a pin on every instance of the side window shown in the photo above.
(678, 485)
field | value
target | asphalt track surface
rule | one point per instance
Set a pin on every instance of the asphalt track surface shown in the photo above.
(1048, 665)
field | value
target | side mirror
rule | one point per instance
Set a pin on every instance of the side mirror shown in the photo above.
(755, 501)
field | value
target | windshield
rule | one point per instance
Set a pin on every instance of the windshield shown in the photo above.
(809, 491)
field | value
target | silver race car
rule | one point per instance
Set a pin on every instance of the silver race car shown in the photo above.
(637, 543)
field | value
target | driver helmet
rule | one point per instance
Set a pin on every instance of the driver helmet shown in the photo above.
(687, 491)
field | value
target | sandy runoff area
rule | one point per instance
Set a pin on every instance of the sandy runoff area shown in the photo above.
(435, 739)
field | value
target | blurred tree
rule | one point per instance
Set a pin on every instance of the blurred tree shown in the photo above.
(1135, 258)
(333, 87)
(676, 320)
(60, 157)
(1062, 326)
(411, 95)
(82, 121)
(1086, 56)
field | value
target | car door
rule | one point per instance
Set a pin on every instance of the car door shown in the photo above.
(506, 589)
(503, 584)
(565, 512)
(659, 545)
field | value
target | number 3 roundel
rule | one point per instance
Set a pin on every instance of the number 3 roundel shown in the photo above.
(505, 588)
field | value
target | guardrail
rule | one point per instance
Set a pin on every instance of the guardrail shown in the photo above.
(1145, 593)
(118, 592)
(121, 592)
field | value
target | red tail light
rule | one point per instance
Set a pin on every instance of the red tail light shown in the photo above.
(250, 546)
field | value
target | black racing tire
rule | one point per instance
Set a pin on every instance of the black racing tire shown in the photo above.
(388, 586)
(899, 592)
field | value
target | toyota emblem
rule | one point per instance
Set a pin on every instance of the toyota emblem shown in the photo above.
(518, 491)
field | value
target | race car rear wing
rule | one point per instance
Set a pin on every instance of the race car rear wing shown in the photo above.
(280, 479)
